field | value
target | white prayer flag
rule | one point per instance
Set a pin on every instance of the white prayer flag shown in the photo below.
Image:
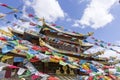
(1, 67)
(3, 64)
(31, 68)
(20, 71)
(2, 74)
(41, 56)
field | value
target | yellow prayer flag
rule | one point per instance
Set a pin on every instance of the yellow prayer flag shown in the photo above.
(53, 60)
(21, 47)
(6, 57)
(57, 57)
(85, 67)
(72, 66)
(107, 78)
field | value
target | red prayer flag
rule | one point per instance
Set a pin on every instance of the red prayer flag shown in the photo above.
(32, 24)
(30, 15)
(34, 59)
(4, 5)
(90, 78)
(8, 74)
(53, 78)
(34, 77)
(36, 48)
(113, 77)
(11, 66)
(3, 38)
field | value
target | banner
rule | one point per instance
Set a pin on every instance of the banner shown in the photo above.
(1, 55)
(6, 57)
(1, 67)
(33, 70)
(34, 77)
(30, 67)
(28, 73)
(62, 63)
(12, 66)
(3, 64)
(31, 51)
(2, 74)
(41, 56)
(20, 71)
(18, 59)
(6, 49)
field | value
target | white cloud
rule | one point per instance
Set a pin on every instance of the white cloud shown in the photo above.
(75, 25)
(49, 9)
(80, 1)
(97, 14)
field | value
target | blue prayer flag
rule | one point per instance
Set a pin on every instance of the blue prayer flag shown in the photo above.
(82, 70)
(93, 68)
(18, 59)
(31, 51)
(82, 61)
(6, 49)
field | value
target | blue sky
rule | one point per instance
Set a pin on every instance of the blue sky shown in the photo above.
(99, 16)
(109, 32)
(74, 10)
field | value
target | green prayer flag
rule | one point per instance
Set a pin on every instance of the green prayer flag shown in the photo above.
(57, 54)
(36, 17)
(28, 73)
(101, 45)
(62, 63)
(38, 26)
(15, 42)
(9, 7)
(58, 27)
(95, 78)
(46, 52)
(118, 69)
(29, 56)
(1, 55)
(106, 70)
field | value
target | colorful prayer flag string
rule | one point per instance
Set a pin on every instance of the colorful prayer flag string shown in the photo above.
(101, 41)
(103, 46)
(9, 7)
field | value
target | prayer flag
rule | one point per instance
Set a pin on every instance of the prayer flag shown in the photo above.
(21, 71)
(2, 74)
(6, 49)
(18, 59)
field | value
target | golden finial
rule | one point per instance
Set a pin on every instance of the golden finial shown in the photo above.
(42, 43)
(15, 10)
(71, 71)
(43, 20)
(90, 33)
(65, 69)
(58, 71)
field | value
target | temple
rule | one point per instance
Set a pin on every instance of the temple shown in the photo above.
(60, 45)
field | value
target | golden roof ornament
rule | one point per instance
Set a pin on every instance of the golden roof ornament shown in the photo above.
(42, 43)
(90, 33)
(15, 10)
(43, 20)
